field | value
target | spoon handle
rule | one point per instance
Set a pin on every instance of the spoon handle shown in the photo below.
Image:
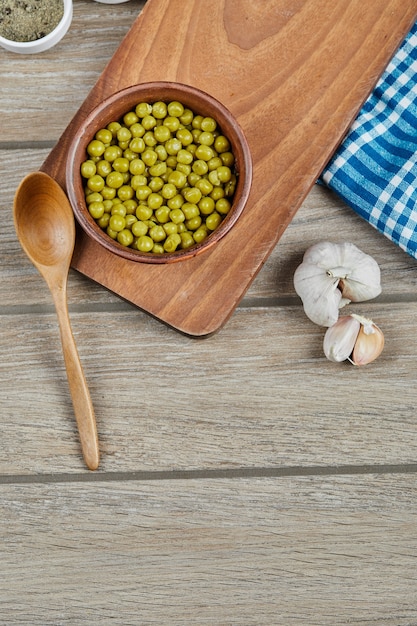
(83, 407)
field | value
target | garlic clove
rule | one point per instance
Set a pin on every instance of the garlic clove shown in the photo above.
(320, 296)
(369, 343)
(339, 339)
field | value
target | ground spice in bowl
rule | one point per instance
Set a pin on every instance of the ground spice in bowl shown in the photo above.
(29, 20)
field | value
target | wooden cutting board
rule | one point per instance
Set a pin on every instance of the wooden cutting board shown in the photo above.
(294, 73)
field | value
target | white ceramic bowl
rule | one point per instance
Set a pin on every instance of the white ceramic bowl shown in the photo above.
(39, 45)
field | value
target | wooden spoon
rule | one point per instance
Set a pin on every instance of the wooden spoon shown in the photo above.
(45, 226)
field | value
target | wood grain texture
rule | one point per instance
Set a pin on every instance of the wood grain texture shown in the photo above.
(259, 393)
(294, 104)
(245, 480)
(313, 551)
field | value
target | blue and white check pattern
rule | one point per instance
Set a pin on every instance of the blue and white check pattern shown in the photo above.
(374, 170)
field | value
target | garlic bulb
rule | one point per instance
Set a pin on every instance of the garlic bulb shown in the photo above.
(332, 275)
(355, 338)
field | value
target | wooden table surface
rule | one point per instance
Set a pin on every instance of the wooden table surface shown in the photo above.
(244, 478)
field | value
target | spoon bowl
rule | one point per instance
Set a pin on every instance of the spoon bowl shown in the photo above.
(45, 226)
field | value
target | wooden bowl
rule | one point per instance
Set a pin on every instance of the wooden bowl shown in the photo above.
(113, 108)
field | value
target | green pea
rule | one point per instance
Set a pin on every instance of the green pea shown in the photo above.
(176, 202)
(158, 169)
(148, 122)
(103, 221)
(96, 210)
(157, 249)
(96, 148)
(112, 152)
(221, 144)
(170, 228)
(161, 152)
(130, 220)
(190, 210)
(138, 180)
(113, 127)
(194, 223)
(157, 233)
(130, 205)
(103, 168)
(111, 233)
(118, 209)
(227, 158)
(117, 223)
(149, 157)
(176, 216)
(184, 168)
(172, 242)
(178, 179)
(223, 206)
(208, 124)
(206, 138)
(204, 185)
(123, 134)
(162, 133)
(155, 200)
(173, 146)
(162, 214)
(175, 108)
(108, 193)
(185, 136)
(193, 178)
(95, 183)
(125, 237)
(130, 118)
(200, 167)
(143, 192)
(144, 243)
(200, 234)
(168, 191)
(136, 166)
(137, 130)
(125, 192)
(143, 109)
(187, 240)
(213, 220)
(206, 205)
(156, 183)
(172, 123)
(137, 145)
(224, 174)
(88, 168)
(139, 228)
(114, 180)
(186, 118)
(192, 194)
(184, 156)
(214, 163)
(104, 135)
(159, 110)
(143, 212)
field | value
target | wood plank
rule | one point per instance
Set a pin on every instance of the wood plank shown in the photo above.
(258, 394)
(322, 214)
(48, 88)
(282, 552)
(288, 152)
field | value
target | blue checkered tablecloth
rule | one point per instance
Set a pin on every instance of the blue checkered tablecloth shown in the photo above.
(374, 169)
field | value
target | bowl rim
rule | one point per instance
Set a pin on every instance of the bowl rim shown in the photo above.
(171, 90)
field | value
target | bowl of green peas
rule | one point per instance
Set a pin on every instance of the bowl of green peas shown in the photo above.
(158, 172)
